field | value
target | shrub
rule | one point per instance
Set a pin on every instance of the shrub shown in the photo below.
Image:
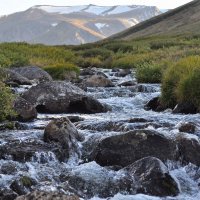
(149, 73)
(180, 82)
(61, 71)
(89, 62)
(6, 102)
(119, 46)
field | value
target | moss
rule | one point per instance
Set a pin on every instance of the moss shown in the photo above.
(26, 181)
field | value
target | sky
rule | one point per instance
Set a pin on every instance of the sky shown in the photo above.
(11, 6)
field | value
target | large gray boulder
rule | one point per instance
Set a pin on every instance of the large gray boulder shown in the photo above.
(62, 97)
(127, 148)
(11, 76)
(25, 110)
(33, 73)
(153, 177)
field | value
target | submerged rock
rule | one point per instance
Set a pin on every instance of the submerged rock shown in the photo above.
(127, 148)
(188, 127)
(25, 110)
(98, 81)
(62, 97)
(33, 73)
(94, 180)
(153, 177)
(41, 195)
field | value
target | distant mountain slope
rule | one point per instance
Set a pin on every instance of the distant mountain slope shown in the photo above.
(56, 25)
(182, 20)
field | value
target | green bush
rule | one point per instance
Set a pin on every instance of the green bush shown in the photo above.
(149, 73)
(119, 46)
(180, 82)
(89, 62)
(62, 71)
(6, 102)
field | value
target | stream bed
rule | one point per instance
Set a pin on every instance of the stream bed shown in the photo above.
(126, 103)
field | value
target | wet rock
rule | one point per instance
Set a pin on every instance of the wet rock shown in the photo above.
(37, 151)
(145, 88)
(153, 177)
(62, 97)
(62, 131)
(98, 81)
(33, 73)
(155, 105)
(12, 125)
(123, 72)
(185, 108)
(188, 149)
(7, 194)
(87, 72)
(74, 118)
(127, 148)
(9, 168)
(25, 110)
(139, 120)
(14, 77)
(127, 83)
(41, 195)
(22, 185)
(94, 180)
(187, 127)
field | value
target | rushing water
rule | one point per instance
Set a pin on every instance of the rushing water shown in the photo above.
(126, 103)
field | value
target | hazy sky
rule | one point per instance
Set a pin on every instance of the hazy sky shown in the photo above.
(10, 6)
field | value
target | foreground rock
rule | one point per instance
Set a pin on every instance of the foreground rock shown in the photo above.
(94, 180)
(62, 97)
(153, 177)
(25, 110)
(7, 194)
(33, 73)
(40, 195)
(127, 148)
(62, 131)
(98, 81)
(13, 77)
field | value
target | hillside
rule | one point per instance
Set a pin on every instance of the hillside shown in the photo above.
(54, 25)
(182, 20)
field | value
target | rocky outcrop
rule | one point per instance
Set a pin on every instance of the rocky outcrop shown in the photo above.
(63, 132)
(33, 73)
(25, 110)
(153, 177)
(94, 180)
(14, 78)
(98, 81)
(40, 195)
(127, 148)
(62, 97)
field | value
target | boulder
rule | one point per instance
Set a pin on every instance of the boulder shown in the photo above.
(153, 177)
(94, 180)
(62, 97)
(87, 72)
(62, 131)
(188, 127)
(98, 81)
(127, 148)
(188, 148)
(33, 73)
(7, 194)
(22, 185)
(185, 108)
(127, 83)
(40, 195)
(123, 72)
(155, 105)
(25, 110)
(14, 77)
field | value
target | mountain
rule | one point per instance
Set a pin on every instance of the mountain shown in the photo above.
(180, 21)
(56, 25)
